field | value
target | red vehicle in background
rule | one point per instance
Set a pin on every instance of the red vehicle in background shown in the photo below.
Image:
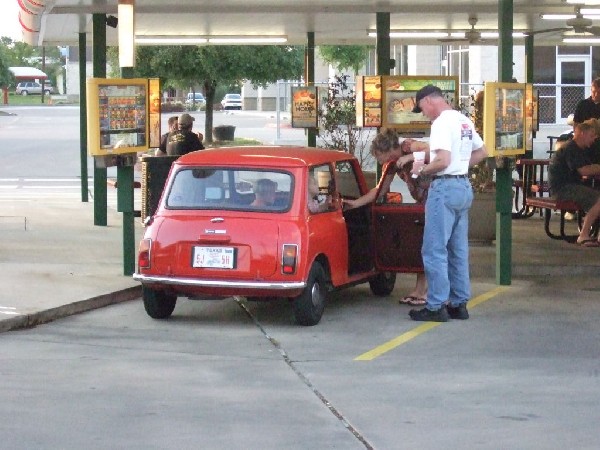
(269, 222)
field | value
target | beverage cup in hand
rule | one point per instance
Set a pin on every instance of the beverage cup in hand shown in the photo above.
(418, 162)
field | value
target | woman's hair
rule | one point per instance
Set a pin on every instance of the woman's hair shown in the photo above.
(385, 141)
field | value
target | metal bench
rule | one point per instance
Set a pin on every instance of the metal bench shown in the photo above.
(549, 204)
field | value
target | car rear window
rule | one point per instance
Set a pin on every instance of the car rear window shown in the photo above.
(230, 189)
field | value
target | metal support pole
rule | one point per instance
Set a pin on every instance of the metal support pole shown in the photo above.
(383, 54)
(83, 119)
(309, 78)
(99, 63)
(125, 203)
(504, 174)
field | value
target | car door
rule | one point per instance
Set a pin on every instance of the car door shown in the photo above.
(398, 223)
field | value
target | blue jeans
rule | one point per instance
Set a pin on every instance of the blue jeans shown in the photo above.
(446, 243)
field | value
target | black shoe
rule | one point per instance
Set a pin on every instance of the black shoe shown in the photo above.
(426, 315)
(458, 312)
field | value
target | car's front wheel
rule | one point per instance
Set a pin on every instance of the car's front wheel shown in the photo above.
(158, 304)
(309, 306)
(383, 284)
(24, 93)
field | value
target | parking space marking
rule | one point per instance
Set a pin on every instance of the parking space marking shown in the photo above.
(410, 335)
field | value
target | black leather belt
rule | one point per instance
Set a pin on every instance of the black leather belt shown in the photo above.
(435, 177)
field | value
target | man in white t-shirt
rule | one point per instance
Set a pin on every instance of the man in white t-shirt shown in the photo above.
(454, 146)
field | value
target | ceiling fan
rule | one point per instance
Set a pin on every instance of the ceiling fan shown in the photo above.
(578, 24)
(472, 36)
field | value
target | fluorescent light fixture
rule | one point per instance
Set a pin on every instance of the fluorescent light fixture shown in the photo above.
(590, 12)
(584, 2)
(581, 40)
(412, 34)
(125, 29)
(247, 39)
(196, 40)
(170, 40)
(593, 14)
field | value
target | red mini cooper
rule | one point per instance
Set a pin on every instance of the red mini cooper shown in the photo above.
(270, 222)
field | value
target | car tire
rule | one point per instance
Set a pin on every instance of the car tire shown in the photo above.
(158, 304)
(24, 93)
(382, 285)
(309, 306)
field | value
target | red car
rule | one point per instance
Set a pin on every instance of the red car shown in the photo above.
(269, 222)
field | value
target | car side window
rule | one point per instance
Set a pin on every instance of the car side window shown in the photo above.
(322, 190)
(346, 180)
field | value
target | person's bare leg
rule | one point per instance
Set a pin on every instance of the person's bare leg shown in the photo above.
(589, 220)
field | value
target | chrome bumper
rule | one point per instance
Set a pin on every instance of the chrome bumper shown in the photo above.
(275, 286)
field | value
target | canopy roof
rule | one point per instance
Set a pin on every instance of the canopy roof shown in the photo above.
(28, 73)
(333, 21)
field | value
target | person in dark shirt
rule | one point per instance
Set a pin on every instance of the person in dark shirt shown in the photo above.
(589, 108)
(184, 140)
(173, 126)
(567, 167)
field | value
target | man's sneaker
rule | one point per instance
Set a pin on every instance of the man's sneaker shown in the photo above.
(458, 312)
(426, 315)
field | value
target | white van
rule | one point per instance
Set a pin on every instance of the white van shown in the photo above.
(196, 98)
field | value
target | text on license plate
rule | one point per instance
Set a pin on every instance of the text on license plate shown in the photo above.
(214, 257)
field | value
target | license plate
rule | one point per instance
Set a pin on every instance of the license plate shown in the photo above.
(213, 257)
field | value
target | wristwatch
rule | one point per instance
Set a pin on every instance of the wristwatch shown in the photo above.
(421, 170)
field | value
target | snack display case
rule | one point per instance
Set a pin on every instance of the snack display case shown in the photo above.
(119, 113)
(505, 127)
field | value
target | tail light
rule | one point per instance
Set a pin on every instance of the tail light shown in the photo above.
(144, 254)
(289, 259)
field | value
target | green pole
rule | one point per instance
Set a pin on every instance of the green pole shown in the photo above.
(99, 69)
(504, 174)
(125, 202)
(83, 119)
(309, 66)
(383, 53)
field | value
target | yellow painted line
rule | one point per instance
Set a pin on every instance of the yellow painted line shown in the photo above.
(410, 335)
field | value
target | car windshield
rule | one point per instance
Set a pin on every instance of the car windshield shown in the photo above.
(233, 96)
(230, 189)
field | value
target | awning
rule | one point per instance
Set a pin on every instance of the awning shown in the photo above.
(28, 73)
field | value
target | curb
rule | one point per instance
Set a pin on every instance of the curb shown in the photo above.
(49, 315)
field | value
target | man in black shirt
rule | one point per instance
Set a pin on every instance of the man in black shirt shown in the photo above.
(173, 126)
(589, 108)
(184, 140)
(567, 167)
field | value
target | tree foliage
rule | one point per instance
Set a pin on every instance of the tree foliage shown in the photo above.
(344, 57)
(186, 67)
(20, 54)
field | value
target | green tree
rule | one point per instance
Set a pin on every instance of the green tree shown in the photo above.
(21, 54)
(344, 57)
(211, 66)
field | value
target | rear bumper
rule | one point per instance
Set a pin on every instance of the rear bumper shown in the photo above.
(224, 284)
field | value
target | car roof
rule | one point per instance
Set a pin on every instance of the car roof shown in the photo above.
(264, 156)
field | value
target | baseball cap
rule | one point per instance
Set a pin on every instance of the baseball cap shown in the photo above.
(424, 92)
(185, 120)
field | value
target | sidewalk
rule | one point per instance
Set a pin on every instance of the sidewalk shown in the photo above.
(55, 262)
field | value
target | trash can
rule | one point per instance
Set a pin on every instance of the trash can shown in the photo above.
(155, 170)
(223, 133)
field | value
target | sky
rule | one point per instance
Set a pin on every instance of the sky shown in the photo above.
(9, 20)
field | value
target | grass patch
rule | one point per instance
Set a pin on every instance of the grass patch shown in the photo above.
(26, 100)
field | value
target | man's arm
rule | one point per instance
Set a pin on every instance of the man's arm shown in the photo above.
(589, 170)
(478, 155)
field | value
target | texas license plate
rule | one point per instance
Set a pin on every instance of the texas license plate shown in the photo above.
(214, 257)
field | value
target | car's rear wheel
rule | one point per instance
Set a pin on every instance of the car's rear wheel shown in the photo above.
(24, 93)
(158, 304)
(309, 306)
(47, 92)
(383, 284)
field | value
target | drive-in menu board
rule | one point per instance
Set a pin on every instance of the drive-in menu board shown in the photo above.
(368, 101)
(117, 116)
(504, 127)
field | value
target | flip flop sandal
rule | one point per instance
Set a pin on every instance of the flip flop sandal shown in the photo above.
(589, 243)
(417, 301)
(408, 300)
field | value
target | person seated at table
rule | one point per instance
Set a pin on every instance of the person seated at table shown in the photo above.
(566, 170)
(264, 190)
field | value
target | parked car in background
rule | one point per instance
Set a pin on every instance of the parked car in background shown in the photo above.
(195, 98)
(269, 223)
(232, 101)
(32, 87)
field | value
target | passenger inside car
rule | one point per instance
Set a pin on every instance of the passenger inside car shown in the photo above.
(265, 190)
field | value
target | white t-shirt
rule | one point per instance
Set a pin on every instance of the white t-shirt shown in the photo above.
(454, 132)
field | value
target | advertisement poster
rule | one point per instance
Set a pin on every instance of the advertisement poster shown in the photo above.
(154, 114)
(117, 116)
(304, 107)
(372, 101)
(399, 99)
(504, 118)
